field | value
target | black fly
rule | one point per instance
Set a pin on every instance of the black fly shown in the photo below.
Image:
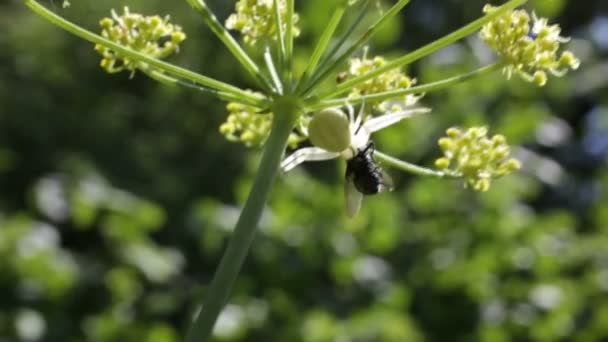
(363, 177)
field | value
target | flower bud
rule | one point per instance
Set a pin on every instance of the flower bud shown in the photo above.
(445, 143)
(568, 59)
(540, 78)
(442, 163)
(453, 132)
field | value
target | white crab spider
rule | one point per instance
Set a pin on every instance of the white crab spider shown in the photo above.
(327, 132)
(336, 136)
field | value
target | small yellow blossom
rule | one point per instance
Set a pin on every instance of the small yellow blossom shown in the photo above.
(255, 20)
(528, 45)
(471, 154)
(151, 35)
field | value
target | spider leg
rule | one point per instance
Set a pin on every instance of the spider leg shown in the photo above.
(375, 124)
(306, 154)
(369, 149)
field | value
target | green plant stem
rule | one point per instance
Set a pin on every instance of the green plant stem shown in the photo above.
(303, 84)
(273, 71)
(171, 69)
(230, 43)
(289, 36)
(173, 82)
(336, 63)
(423, 51)
(244, 232)
(393, 162)
(321, 46)
(280, 37)
(423, 88)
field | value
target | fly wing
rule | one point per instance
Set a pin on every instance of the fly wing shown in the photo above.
(352, 198)
(387, 182)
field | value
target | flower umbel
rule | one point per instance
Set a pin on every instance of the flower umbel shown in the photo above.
(151, 35)
(391, 80)
(475, 157)
(255, 20)
(247, 125)
(528, 45)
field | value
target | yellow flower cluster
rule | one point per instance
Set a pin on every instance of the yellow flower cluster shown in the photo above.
(475, 157)
(255, 20)
(390, 80)
(528, 45)
(244, 124)
(151, 35)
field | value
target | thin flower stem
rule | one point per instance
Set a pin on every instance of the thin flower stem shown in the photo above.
(336, 63)
(324, 40)
(244, 232)
(273, 71)
(280, 37)
(172, 81)
(315, 78)
(423, 88)
(393, 162)
(303, 86)
(232, 45)
(166, 67)
(289, 43)
(425, 50)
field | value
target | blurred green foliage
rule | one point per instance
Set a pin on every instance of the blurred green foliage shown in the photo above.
(118, 197)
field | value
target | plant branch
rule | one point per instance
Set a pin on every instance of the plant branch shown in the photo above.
(280, 38)
(303, 85)
(423, 88)
(336, 63)
(232, 45)
(289, 36)
(166, 67)
(273, 71)
(321, 46)
(409, 167)
(173, 81)
(425, 50)
(244, 232)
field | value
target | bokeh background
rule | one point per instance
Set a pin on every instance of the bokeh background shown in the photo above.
(117, 197)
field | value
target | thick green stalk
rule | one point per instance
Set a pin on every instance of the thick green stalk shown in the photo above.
(232, 45)
(385, 159)
(218, 293)
(425, 50)
(423, 88)
(166, 67)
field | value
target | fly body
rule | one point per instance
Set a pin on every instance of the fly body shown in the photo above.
(364, 177)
